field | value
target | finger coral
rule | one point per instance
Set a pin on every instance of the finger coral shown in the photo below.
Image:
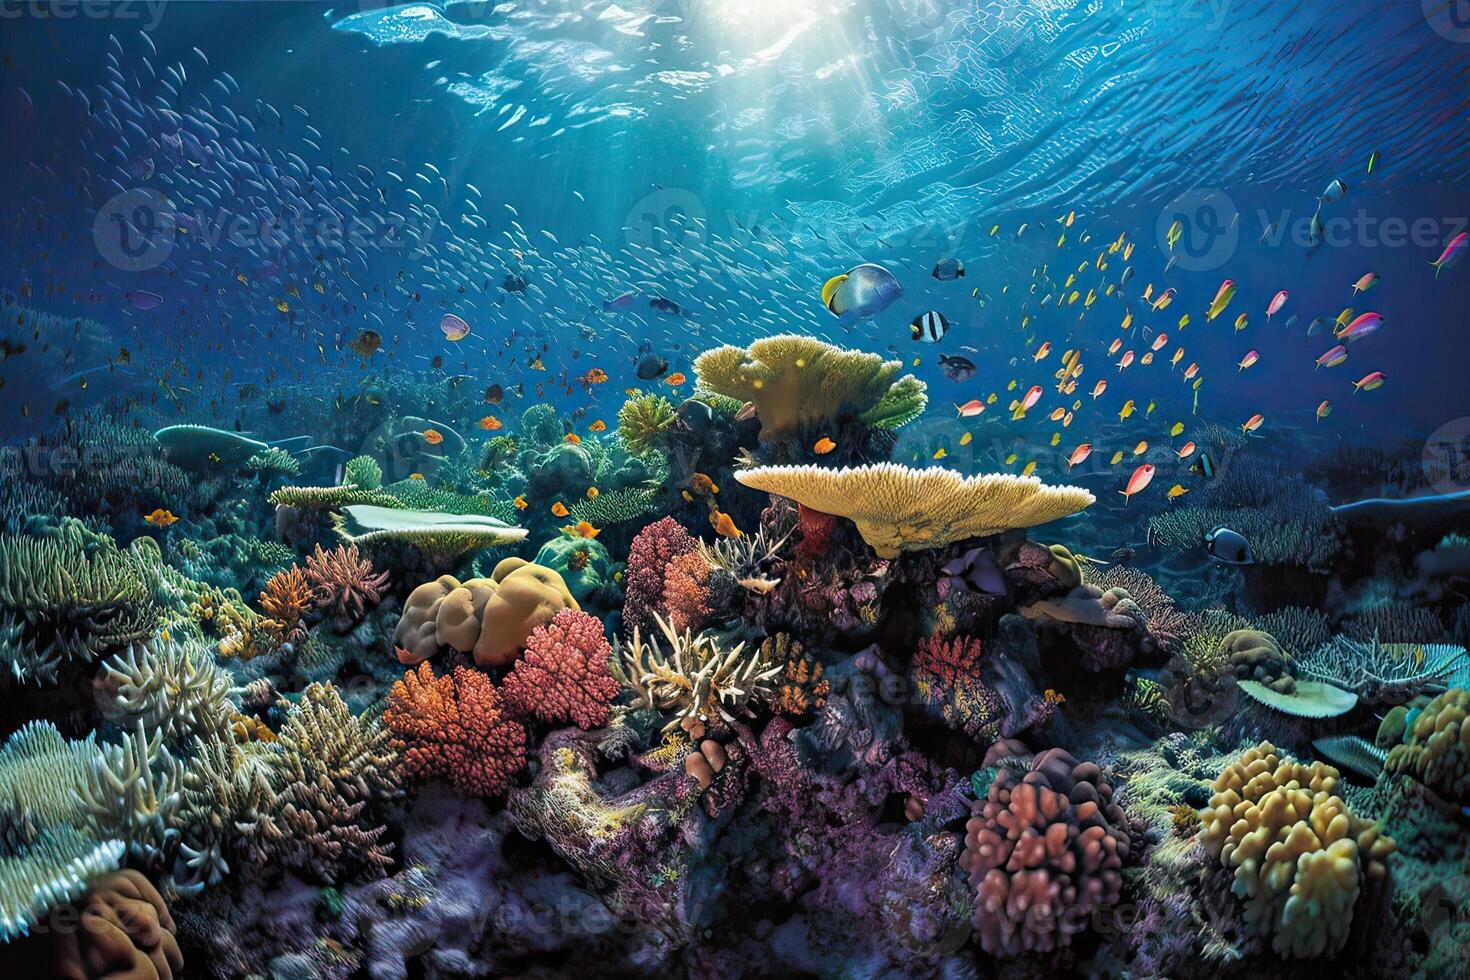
(565, 675)
(454, 727)
(1436, 746)
(897, 508)
(287, 598)
(1044, 850)
(1297, 856)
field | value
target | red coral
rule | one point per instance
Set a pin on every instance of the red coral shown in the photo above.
(565, 673)
(343, 583)
(453, 727)
(652, 550)
(1044, 852)
(815, 533)
(951, 663)
(686, 591)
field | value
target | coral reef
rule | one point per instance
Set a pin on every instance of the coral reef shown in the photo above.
(565, 674)
(454, 727)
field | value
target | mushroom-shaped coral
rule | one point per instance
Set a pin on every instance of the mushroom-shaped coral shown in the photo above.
(454, 727)
(1297, 855)
(1436, 747)
(1044, 850)
(122, 929)
(446, 537)
(897, 508)
(796, 381)
(565, 674)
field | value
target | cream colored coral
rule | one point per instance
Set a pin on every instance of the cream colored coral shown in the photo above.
(794, 380)
(897, 508)
(1296, 853)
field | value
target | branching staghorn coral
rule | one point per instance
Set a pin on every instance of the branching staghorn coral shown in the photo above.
(1396, 621)
(1382, 673)
(1168, 624)
(695, 681)
(343, 584)
(172, 686)
(287, 598)
(1297, 629)
(131, 792)
(228, 809)
(332, 767)
(64, 599)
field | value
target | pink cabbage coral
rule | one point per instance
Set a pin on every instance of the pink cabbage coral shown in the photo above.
(565, 673)
(454, 728)
(343, 584)
(1044, 850)
(652, 550)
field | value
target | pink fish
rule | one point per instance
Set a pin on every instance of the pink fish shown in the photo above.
(1365, 282)
(1140, 479)
(1451, 253)
(1079, 455)
(1160, 342)
(1360, 327)
(1333, 358)
(1032, 397)
(971, 408)
(1126, 360)
(1253, 423)
(1186, 450)
(1250, 358)
(1371, 381)
(1277, 302)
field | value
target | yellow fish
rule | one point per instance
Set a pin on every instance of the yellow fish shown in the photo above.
(1177, 491)
(1011, 386)
(1176, 430)
(1150, 410)
(1117, 458)
(1126, 410)
(965, 439)
(1178, 356)
(1140, 449)
(1011, 459)
(1184, 321)
(521, 503)
(1241, 322)
(1029, 468)
(940, 453)
(1056, 438)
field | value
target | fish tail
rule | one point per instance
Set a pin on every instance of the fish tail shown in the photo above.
(1437, 266)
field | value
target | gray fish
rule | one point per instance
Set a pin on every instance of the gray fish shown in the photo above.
(1229, 547)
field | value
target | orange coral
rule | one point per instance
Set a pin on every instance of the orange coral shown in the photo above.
(686, 592)
(454, 727)
(343, 584)
(286, 600)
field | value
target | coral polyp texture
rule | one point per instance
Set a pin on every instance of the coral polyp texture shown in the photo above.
(455, 727)
(565, 674)
(897, 508)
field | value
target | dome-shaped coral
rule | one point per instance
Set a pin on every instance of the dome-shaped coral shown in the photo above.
(1436, 746)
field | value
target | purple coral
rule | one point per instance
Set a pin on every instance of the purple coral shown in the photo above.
(565, 673)
(343, 584)
(650, 554)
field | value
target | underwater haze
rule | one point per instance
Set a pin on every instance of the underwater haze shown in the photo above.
(742, 488)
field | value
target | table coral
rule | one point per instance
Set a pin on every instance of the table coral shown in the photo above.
(565, 675)
(454, 727)
(1298, 857)
(1044, 851)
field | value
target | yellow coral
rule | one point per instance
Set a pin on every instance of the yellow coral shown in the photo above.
(1297, 855)
(1436, 747)
(897, 508)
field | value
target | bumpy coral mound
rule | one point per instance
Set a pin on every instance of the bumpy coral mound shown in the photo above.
(123, 931)
(1256, 656)
(565, 674)
(1044, 850)
(686, 591)
(454, 728)
(1436, 749)
(652, 551)
(795, 381)
(898, 509)
(1298, 856)
(491, 617)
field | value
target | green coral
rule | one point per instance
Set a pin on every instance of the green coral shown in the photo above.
(363, 471)
(617, 506)
(642, 420)
(274, 461)
(330, 498)
(583, 563)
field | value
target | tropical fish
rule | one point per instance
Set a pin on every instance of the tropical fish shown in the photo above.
(1335, 192)
(863, 291)
(490, 423)
(970, 409)
(1365, 282)
(1186, 450)
(675, 380)
(1253, 423)
(823, 446)
(956, 368)
(1333, 357)
(1324, 409)
(1176, 491)
(1361, 327)
(929, 328)
(160, 518)
(1451, 254)
(432, 436)
(1274, 307)
(1140, 479)
(142, 299)
(1370, 382)
(1079, 455)
(946, 270)
(1250, 358)
(723, 524)
(559, 509)
(453, 327)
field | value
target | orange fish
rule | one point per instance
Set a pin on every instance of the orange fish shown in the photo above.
(490, 423)
(572, 438)
(593, 493)
(559, 509)
(723, 525)
(433, 437)
(701, 484)
(521, 503)
(676, 379)
(1138, 481)
(581, 529)
(1253, 423)
(597, 426)
(823, 446)
(160, 518)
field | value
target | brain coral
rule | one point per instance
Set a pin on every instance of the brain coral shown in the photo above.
(795, 381)
(454, 728)
(1044, 850)
(565, 674)
(897, 508)
(1436, 747)
(1297, 855)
